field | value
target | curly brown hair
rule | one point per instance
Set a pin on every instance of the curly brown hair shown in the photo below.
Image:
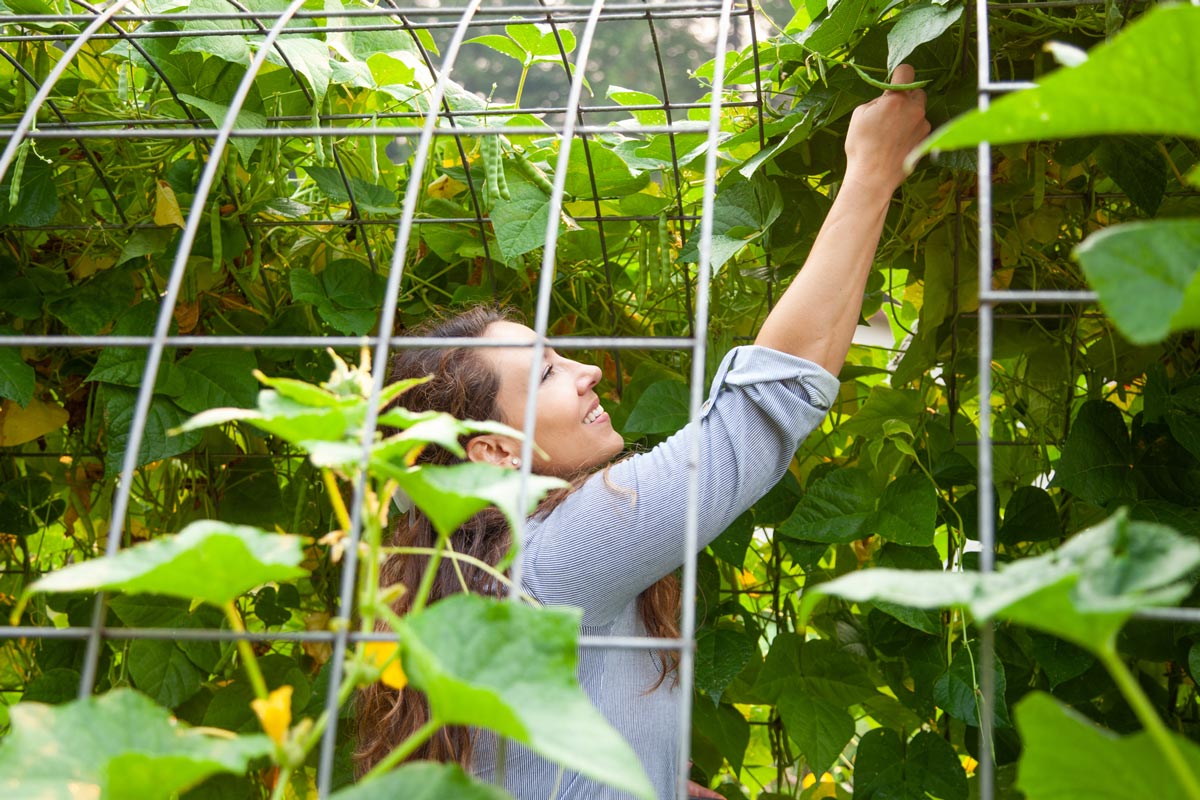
(463, 385)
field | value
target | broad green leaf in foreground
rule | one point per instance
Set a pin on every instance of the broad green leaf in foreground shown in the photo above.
(510, 669)
(423, 780)
(119, 746)
(743, 211)
(208, 560)
(1083, 592)
(1147, 275)
(1143, 81)
(450, 496)
(1067, 757)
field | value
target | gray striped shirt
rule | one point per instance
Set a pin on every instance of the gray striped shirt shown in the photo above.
(602, 547)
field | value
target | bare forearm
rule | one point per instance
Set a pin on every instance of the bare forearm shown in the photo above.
(815, 318)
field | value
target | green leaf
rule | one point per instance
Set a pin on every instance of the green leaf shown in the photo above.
(37, 198)
(156, 611)
(1030, 516)
(662, 408)
(719, 734)
(215, 378)
(157, 442)
(1141, 81)
(835, 30)
(510, 669)
(915, 25)
(217, 112)
(612, 175)
(838, 509)
(907, 512)
(885, 768)
(956, 691)
(884, 404)
(451, 495)
(118, 745)
(1096, 461)
(742, 212)
(310, 57)
(1096, 764)
(1147, 275)
(520, 223)
(17, 379)
(347, 294)
(501, 44)
(1059, 660)
(1138, 168)
(634, 97)
(1084, 591)
(422, 780)
(722, 653)
(234, 49)
(538, 40)
(290, 420)
(209, 561)
(820, 729)
(368, 197)
(163, 671)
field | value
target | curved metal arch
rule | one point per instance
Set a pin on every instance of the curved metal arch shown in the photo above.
(162, 327)
(91, 159)
(387, 318)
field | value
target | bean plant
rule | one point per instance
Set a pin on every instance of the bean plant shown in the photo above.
(841, 617)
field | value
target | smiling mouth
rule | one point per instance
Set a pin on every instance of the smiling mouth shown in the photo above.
(593, 415)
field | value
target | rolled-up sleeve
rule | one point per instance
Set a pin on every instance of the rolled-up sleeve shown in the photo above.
(624, 529)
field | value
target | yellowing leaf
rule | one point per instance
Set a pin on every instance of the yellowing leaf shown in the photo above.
(379, 654)
(275, 713)
(166, 207)
(20, 425)
(445, 187)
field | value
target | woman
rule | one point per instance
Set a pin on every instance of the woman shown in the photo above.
(611, 543)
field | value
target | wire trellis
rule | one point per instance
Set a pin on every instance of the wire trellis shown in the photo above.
(575, 125)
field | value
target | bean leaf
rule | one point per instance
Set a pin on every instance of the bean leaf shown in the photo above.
(511, 669)
(208, 560)
(117, 745)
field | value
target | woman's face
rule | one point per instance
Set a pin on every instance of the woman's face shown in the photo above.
(571, 427)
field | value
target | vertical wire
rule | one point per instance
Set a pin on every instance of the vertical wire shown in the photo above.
(542, 313)
(162, 328)
(387, 321)
(987, 534)
(699, 350)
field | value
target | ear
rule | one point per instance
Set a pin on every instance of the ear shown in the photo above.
(493, 449)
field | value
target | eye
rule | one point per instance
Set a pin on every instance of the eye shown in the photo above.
(547, 372)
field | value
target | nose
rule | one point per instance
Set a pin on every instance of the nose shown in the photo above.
(588, 375)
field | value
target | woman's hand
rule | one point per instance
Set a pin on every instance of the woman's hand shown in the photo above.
(882, 133)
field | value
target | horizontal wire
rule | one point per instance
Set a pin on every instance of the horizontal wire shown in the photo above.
(993, 296)
(321, 342)
(688, 14)
(694, 127)
(414, 115)
(9, 632)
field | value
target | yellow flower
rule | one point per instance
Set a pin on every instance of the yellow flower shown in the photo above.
(383, 654)
(828, 785)
(969, 765)
(275, 713)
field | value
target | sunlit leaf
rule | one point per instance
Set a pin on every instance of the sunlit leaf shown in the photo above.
(1142, 81)
(917, 24)
(119, 745)
(1147, 275)
(510, 668)
(208, 560)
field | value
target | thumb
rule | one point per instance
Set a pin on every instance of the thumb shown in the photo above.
(903, 74)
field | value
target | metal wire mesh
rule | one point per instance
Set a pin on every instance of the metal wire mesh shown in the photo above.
(574, 123)
(570, 121)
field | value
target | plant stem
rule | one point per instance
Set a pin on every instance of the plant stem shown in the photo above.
(281, 782)
(406, 748)
(335, 500)
(249, 660)
(435, 560)
(1150, 720)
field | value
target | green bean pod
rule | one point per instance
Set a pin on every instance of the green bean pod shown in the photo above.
(531, 171)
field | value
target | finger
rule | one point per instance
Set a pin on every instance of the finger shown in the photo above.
(903, 74)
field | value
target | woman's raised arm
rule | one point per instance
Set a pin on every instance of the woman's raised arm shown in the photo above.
(815, 318)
